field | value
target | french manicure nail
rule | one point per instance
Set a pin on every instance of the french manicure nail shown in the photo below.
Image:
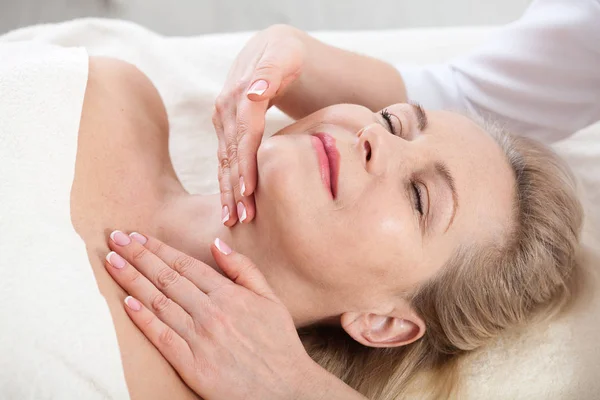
(222, 247)
(241, 210)
(242, 186)
(133, 303)
(115, 260)
(258, 87)
(138, 237)
(224, 214)
(120, 238)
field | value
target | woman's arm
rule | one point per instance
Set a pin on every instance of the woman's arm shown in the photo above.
(333, 76)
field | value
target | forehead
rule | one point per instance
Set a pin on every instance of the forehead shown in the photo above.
(484, 180)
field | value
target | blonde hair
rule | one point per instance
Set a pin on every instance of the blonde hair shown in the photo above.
(480, 292)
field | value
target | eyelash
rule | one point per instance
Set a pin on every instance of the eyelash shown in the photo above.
(418, 202)
(388, 119)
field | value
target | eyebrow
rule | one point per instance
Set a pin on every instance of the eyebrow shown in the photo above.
(442, 170)
(421, 116)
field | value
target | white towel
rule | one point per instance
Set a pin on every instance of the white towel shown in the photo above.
(57, 340)
(559, 361)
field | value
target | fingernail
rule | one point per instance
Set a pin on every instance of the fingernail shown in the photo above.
(133, 303)
(222, 247)
(138, 237)
(258, 87)
(225, 214)
(120, 238)
(115, 260)
(242, 186)
(241, 210)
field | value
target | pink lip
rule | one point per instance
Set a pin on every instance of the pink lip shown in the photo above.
(329, 160)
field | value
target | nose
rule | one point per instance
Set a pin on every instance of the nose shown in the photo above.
(373, 148)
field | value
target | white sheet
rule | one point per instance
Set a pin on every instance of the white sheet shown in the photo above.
(56, 337)
(559, 361)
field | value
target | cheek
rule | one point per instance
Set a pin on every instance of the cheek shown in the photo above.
(387, 242)
(366, 250)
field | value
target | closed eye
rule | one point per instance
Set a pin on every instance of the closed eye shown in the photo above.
(387, 116)
(417, 197)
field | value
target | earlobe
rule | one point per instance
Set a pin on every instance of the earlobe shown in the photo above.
(375, 330)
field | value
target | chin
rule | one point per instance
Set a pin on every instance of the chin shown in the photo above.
(289, 192)
(275, 162)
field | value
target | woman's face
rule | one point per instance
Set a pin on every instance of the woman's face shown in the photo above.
(363, 212)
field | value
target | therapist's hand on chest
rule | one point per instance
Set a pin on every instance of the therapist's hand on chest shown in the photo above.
(227, 337)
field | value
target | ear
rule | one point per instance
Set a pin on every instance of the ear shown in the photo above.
(400, 328)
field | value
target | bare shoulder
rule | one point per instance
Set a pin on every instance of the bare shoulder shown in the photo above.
(123, 87)
(121, 165)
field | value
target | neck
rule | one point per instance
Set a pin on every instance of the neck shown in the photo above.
(190, 223)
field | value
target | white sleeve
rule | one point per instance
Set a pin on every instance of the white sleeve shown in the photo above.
(539, 76)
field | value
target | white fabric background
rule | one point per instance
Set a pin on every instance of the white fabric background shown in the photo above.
(558, 361)
(56, 335)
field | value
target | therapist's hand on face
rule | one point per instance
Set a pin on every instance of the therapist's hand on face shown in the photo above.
(228, 338)
(268, 63)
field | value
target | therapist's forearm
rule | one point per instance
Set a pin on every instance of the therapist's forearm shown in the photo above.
(333, 76)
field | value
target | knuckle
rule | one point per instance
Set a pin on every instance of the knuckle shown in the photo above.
(149, 321)
(220, 105)
(232, 148)
(242, 128)
(246, 266)
(133, 277)
(220, 320)
(155, 247)
(266, 67)
(226, 193)
(224, 163)
(214, 323)
(166, 278)
(183, 264)
(240, 86)
(159, 303)
(139, 254)
(246, 270)
(166, 337)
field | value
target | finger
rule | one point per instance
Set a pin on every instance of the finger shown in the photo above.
(230, 128)
(250, 129)
(172, 346)
(136, 284)
(274, 66)
(165, 279)
(246, 209)
(198, 273)
(241, 270)
(228, 210)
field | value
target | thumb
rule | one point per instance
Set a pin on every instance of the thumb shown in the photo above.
(277, 67)
(241, 270)
(265, 82)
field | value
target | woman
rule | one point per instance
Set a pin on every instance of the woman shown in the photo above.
(398, 240)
